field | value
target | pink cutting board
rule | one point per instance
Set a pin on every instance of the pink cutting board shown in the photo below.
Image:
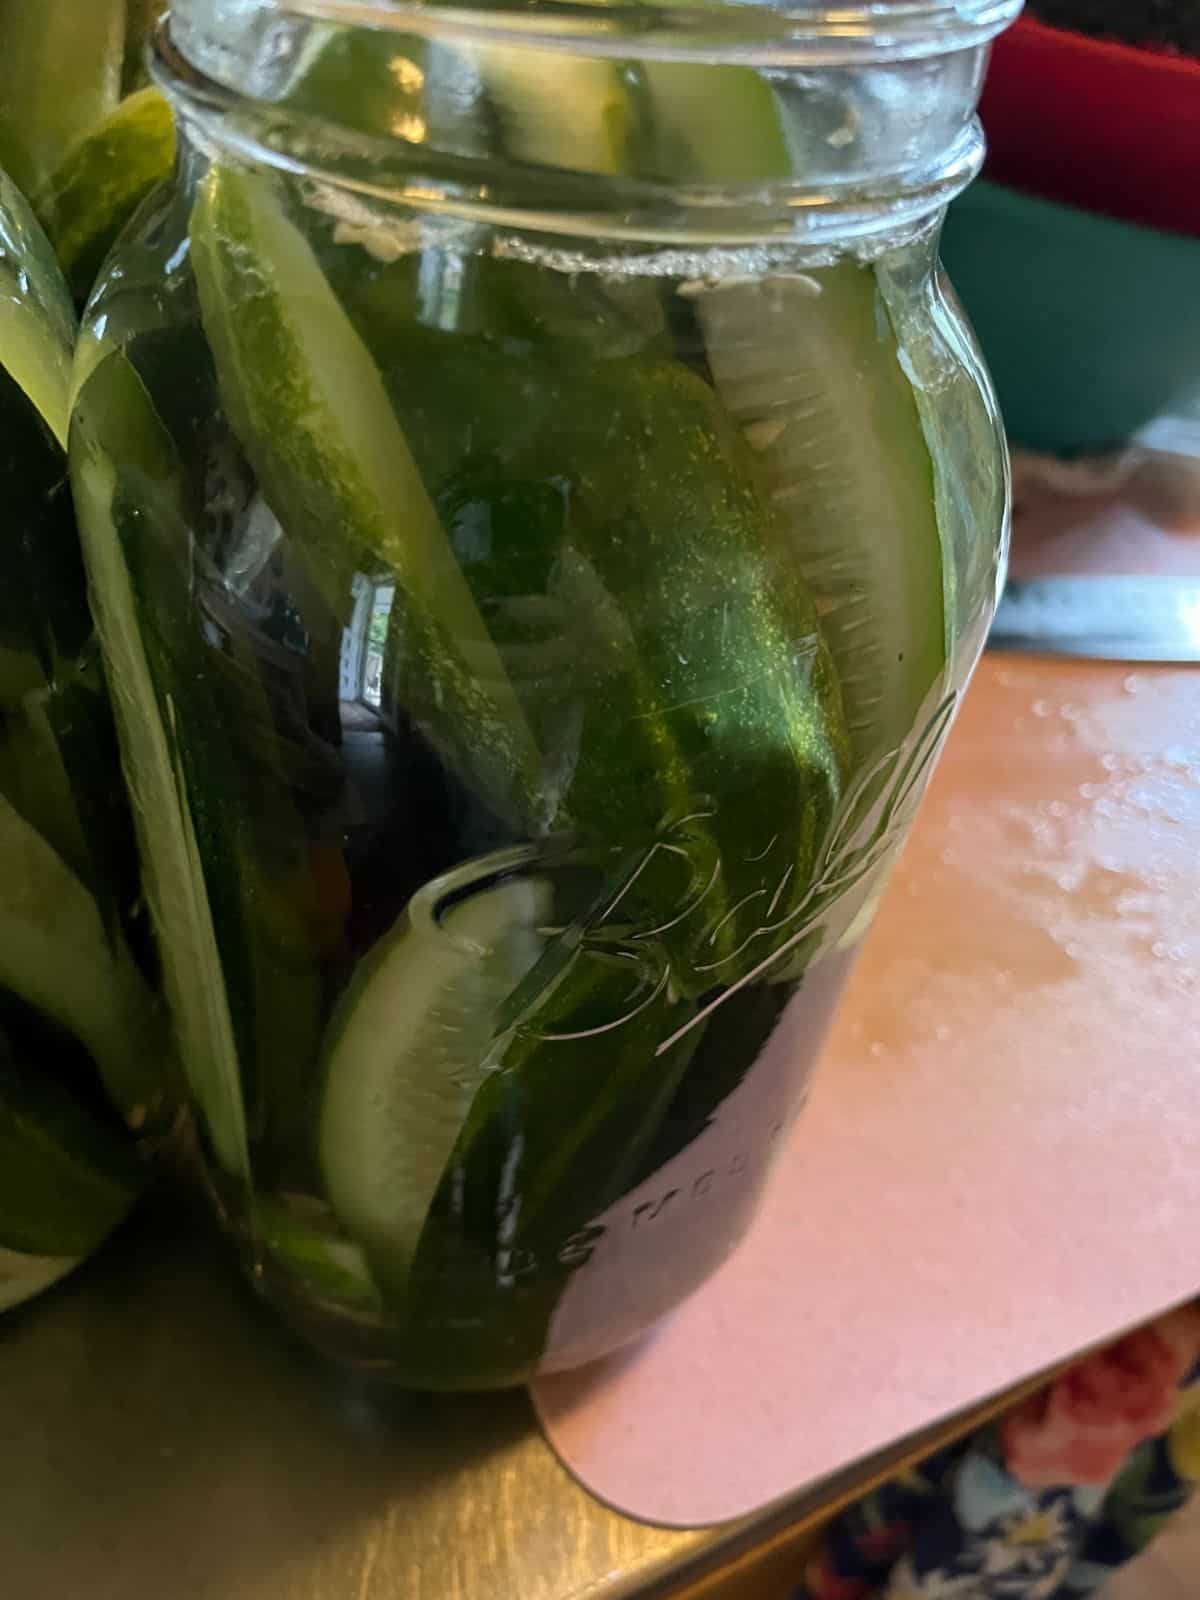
(1000, 1162)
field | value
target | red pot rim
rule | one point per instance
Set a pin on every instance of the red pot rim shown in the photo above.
(1105, 126)
(1130, 57)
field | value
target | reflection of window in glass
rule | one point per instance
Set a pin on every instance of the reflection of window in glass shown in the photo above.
(354, 640)
(377, 630)
(364, 643)
(439, 285)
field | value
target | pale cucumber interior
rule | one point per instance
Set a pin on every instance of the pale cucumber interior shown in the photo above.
(408, 1054)
(55, 953)
(808, 366)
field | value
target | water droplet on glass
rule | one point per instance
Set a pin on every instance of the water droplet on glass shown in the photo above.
(1133, 683)
(1043, 708)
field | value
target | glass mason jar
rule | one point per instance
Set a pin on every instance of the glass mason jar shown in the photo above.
(542, 506)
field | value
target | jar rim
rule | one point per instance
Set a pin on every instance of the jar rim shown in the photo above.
(782, 33)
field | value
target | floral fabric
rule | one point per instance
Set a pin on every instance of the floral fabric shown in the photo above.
(1047, 1502)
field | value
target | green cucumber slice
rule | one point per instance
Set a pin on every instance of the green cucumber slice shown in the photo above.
(391, 86)
(66, 1179)
(673, 639)
(102, 180)
(574, 1097)
(808, 365)
(302, 1237)
(408, 1052)
(711, 124)
(307, 402)
(23, 1276)
(56, 954)
(116, 435)
(34, 779)
(668, 120)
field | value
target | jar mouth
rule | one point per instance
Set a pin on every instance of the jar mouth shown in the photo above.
(899, 197)
(792, 34)
(393, 99)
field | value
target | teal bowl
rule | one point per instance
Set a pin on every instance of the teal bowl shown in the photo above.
(1091, 327)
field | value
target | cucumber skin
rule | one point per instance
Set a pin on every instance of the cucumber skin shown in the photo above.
(66, 1178)
(693, 642)
(813, 362)
(408, 1044)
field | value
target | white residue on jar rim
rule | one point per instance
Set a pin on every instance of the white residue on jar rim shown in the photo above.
(421, 219)
(705, 267)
